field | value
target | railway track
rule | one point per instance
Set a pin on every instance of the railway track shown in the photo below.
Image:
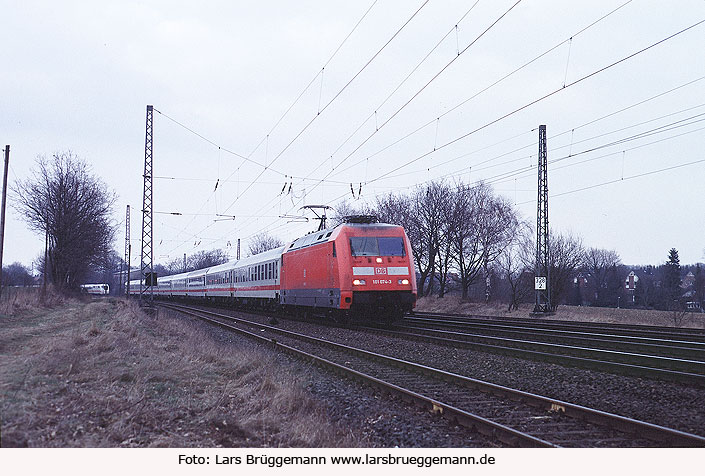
(684, 349)
(634, 330)
(668, 360)
(512, 416)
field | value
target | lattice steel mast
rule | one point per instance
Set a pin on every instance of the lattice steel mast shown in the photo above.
(128, 249)
(543, 268)
(146, 266)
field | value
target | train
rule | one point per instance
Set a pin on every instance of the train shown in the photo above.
(98, 289)
(360, 268)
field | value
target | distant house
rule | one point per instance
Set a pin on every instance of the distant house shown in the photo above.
(581, 280)
(630, 284)
(630, 281)
(688, 281)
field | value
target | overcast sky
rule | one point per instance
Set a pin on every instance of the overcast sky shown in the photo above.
(78, 76)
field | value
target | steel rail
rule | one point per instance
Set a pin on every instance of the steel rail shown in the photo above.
(660, 434)
(667, 349)
(485, 426)
(677, 346)
(551, 353)
(624, 329)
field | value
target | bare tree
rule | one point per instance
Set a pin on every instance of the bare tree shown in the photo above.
(449, 212)
(427, 220)
(598, 262)
(484, 226)
(206, 259)
(344, 209)
(16, 275)
(566, 254)
(264, 242)
(396, 210)
(174, 266)
(73, 207)
(515, 265)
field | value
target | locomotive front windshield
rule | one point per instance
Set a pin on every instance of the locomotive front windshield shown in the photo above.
(377, 246)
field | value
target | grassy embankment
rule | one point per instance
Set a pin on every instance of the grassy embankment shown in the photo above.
(103, 374)
(454, 305)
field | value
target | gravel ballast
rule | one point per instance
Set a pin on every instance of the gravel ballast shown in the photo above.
(669, 404)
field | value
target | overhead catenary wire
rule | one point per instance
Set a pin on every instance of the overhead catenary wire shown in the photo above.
(453, 29)
(313, 119)
(542, 98)
(495, 83)
(568, 85)
(502, 177)
(247, 158)
(251, 183)
(215, 144)
(494, 23)
(417, 93)
(390, 95)
(492, 159)
(517, 173)
(276, 124)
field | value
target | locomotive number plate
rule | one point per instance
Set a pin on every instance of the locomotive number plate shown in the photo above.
(381, 281)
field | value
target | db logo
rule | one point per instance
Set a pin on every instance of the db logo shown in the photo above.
(380, 270)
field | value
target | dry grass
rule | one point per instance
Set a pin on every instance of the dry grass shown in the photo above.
(454, 305)
(24, 300)
(104, 374)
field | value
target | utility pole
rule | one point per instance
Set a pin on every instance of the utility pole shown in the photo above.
(542, 280)
(2, 212)
(184, 262)
(46, 261)
(146, 261)
(238, 249)
(128, 251)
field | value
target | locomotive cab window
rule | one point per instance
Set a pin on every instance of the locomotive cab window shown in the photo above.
(377, 246)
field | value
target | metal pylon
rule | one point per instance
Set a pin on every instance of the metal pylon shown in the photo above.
(543, 268)
(128, 248)
(147, 256)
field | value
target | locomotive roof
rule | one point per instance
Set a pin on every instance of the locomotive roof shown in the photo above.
(329, 234)
(313, 238)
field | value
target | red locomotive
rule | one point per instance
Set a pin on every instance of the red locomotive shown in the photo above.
(357, 268)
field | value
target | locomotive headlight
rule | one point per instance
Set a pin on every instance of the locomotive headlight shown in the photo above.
(359, 282)
(379, 260)
(403, 281)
